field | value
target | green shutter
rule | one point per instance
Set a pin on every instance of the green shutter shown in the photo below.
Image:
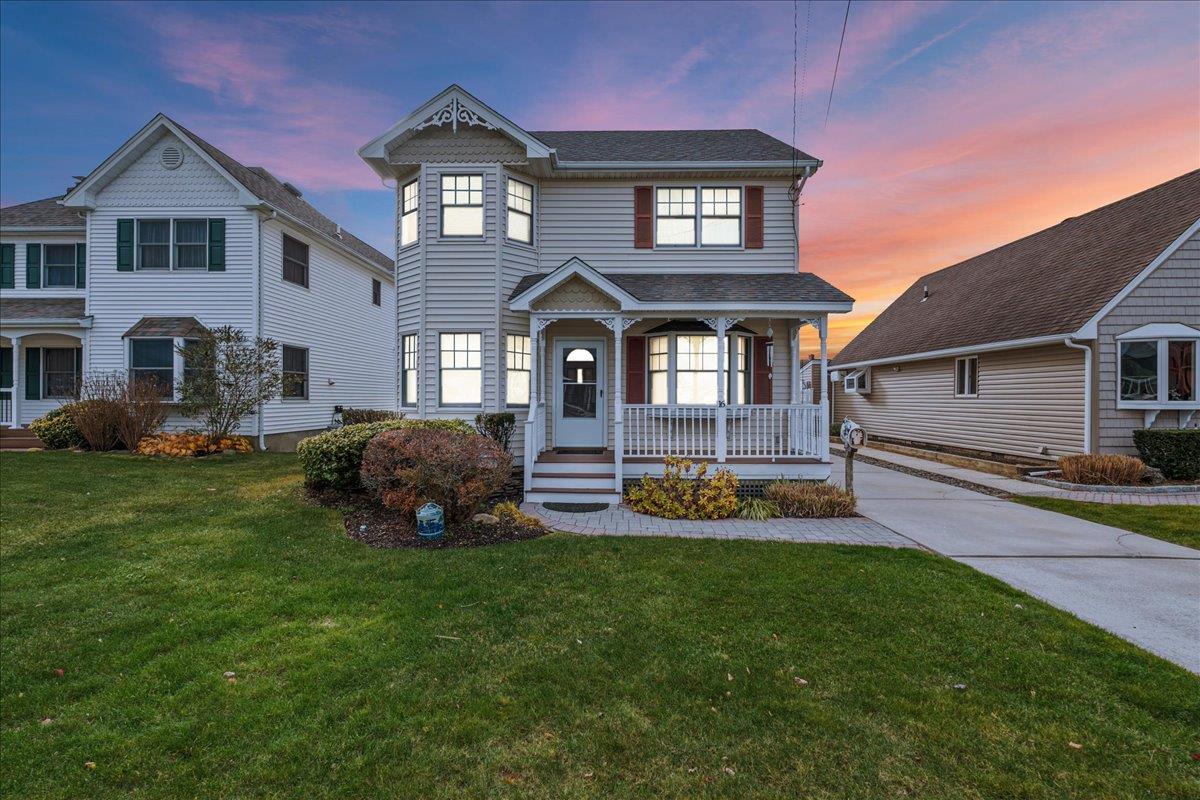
(33, 373)
(125, 245)
(33, 266)
(8, 266)
(80, 266)
(216, 245)
(6, 367)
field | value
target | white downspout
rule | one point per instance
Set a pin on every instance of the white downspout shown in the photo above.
(1087, 390)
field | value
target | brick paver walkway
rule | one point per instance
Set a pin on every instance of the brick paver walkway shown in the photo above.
(621, 521)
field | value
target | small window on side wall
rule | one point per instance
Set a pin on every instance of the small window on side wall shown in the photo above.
(408, 369)
(295, 373)
(858, 382)
(410, 206)
(295, 261)
(966, 377)
(376, 292)
(520, 211)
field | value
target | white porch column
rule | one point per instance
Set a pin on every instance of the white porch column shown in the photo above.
(532, 440)
(18, 387)
(722, 411)
(823, 434)
(618, 329)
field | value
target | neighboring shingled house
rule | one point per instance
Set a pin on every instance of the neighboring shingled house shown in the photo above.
(1061, 342)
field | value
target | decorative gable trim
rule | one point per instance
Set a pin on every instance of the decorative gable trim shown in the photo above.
(575, 266)
(453, 112)
(83, 194)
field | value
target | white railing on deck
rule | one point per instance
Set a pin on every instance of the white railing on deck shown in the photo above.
(6, 408)
(756, 431)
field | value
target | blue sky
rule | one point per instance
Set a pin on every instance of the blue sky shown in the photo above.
(955, 126)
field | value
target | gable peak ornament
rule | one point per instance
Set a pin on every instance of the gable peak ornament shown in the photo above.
(454, 112)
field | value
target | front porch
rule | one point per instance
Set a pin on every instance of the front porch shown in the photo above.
(618, 384)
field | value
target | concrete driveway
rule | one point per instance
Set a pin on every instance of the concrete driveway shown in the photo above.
(1142, 589)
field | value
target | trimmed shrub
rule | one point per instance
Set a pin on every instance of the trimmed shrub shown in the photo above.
(808, 499)
(497, 427)
(757, 509)
(682, 494)
(358, 416)
(57, 429)
(182, 445)
(511, 512)
(407, 468)
(332, 460)
(1173, 451)
(1098, 470)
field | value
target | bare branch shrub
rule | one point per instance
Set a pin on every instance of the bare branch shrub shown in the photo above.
(143, 410)
(227, 375)
(98, 411)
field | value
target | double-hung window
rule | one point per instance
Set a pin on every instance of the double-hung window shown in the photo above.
(520, 211)
(721, 216)
(966, 377)
(460, 379)
(154, 244)
(59, 375)
(695, 369)
(408, 370)
(659, 367)
(153, 360)
(675, 211)
(410, 206)
(462, 205)
(191, 244)
(1159, 372)
(295, 261)
(516, 362)
(60, 266)
(295, 373)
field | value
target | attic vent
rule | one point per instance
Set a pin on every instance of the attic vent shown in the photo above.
(292, 189)
(171, 157)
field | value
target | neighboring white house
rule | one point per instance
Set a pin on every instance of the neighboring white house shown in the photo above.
(627, 294)
(170, 234)
(1062, 342)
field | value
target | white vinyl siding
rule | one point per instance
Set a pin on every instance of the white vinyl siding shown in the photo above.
(1027, 399)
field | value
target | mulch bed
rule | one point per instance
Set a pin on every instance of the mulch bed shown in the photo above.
(370, 523)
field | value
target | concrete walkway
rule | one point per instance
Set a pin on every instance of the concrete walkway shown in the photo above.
(1014, 486)
(1142, 589)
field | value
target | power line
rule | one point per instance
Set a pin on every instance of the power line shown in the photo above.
(837, 62)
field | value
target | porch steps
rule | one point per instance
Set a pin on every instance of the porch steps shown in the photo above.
(19, 439)
(573, 478)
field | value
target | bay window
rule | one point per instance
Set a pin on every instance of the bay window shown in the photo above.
(682, 369)
(1159, 372)
(460, 369)
(462, 205)
(695, 369)
(517, 359)
(409, 213)
(154, 360)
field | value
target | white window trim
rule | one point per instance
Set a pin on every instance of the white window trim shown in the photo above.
(850, 382)
(416, 210)
(966, 360)
(1162, 402)
(532, 212)
(699, 216)
(308, 270)
(176, 358)
(672, 371)
(404, 402)
(455, 406)
(46, 267)
(442, 212)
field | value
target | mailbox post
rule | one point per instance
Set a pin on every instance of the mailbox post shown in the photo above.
(853, 437)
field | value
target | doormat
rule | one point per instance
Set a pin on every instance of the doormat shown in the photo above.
(575, 508)
(579, 451)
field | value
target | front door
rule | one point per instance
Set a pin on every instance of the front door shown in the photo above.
(579, 393)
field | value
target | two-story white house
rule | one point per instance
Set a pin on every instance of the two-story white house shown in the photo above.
(170, 235)
(627, 294)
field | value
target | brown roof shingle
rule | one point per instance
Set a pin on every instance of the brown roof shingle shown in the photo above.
(165, 326)
(1051, 282)
(41, 308)
(45, 213)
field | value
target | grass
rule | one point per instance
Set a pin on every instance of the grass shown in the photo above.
(1178, 524)
(559, 668)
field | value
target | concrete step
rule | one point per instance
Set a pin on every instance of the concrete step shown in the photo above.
(574, 468)
(554, 480)
(572, 496)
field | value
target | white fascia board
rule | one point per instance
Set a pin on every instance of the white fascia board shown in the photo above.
(80, 195)
(1090, 328)
(1162, 330)
(1011, 344)
(688, 166)
(735, 307)
(567, 270)
(374, 152)
(331, 241)
(13, 327)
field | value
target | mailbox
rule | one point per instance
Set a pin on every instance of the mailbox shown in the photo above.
(853, 435)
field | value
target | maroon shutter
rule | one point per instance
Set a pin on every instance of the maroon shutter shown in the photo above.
(643, 216)
(635, 370)
(754, 217)
(762, 372)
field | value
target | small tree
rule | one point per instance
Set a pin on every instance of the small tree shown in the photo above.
(226, 377)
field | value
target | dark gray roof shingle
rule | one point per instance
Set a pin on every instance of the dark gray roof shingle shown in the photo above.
(741, 144)
(45, 213)
(41, 308)
(732, 288)
(1051, 282)
(272, 191)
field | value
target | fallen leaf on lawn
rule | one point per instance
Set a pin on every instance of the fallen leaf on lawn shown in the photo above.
(801, 682)
(89, 765)
(728, 770)
(729, 676)
(229, 674)
(1195, 756)
(1075, 745)
(962, 687)
(47, 721)
(59, 672)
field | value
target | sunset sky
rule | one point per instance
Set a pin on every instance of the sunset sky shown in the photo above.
(955, 127)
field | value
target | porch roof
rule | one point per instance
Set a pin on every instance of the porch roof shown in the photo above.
(41, 308)
(735, 288)
(165, 326)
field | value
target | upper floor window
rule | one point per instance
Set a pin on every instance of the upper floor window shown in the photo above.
(60, 266)
(675, 213)
(409, 213)
(721, 216)
(295, 372)
(169, 244)
(295, 261)
(966, 377)
(191, 244)
(376, 292)
(462, 205)
(520, 211)
(154, 243)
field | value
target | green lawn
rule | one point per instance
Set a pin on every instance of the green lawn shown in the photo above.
(1179, 524)
(578, 667)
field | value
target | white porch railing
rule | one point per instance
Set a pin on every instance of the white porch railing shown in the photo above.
(6, 408)
(535, 438)
(756, 431)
